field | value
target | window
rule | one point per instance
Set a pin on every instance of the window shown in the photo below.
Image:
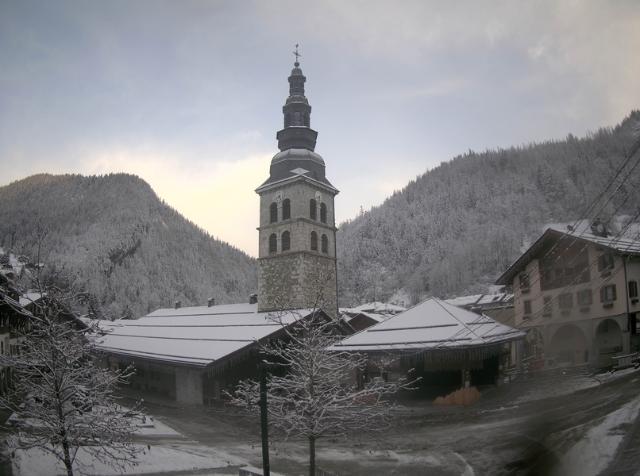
(633, 289)
(605, 262)
(273, 212)
(323, 213)
(608, 293)
(566, 269)
(286, 241)
(314, 241)
(286, 209)
(547, 309)
(527, 309)
(565, 301)
(525, 283)
(273, 243)
(325, 244)
(584, 297)
(312, 209)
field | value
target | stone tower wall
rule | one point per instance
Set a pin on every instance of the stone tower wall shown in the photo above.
(297, 280)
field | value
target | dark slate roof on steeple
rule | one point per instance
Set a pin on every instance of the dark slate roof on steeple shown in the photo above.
(297, 132)
(297, 163)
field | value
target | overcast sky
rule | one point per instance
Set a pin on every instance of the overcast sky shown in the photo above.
(188, 94)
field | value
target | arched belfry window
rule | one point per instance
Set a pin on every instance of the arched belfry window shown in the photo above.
(286, 209)
(273, 212)
(323, 213)
(286, 240)
(312, 208)
(273, 243)
(325, 244)
(314, 241)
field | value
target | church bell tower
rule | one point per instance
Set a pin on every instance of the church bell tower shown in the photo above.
(297, 233)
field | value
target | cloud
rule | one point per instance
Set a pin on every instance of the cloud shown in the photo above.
(218, 196)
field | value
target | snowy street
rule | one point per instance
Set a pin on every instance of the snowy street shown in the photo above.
(571, 433)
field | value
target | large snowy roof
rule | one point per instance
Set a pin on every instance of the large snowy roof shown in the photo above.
(196, 336)
(432, 324)
(620, 245)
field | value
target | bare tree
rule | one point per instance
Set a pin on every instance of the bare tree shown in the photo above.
(62, 399)
(312, 392)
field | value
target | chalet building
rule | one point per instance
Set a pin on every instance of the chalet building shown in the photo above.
(13, 319)
(194, 354)
(576, 294)
(447, 346)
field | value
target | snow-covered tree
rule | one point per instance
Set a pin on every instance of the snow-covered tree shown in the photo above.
(62, 401)
(312, 392)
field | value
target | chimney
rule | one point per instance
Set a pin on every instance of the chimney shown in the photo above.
(599, 229)
(253, 299)
(177, 305)
(211, 302)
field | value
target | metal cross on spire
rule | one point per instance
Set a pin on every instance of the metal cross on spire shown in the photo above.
(296, 54)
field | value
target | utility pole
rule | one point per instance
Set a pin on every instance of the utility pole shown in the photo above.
(263, 420)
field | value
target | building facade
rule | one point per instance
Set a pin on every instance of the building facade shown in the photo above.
(297, 232)
(577, 295)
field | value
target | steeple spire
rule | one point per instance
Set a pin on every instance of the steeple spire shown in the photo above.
(297, 55)
(297, 132)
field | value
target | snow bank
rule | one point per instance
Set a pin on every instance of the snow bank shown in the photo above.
(158, 459)
(596, 449)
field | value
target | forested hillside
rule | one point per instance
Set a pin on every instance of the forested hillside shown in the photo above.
(112, 237)
(454, 229)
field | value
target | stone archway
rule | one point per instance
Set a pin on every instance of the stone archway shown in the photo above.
(608, 342)
(569, 346)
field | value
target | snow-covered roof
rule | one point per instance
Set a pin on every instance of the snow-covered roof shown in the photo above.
(379, 307)
(196, 336)
(432, 324)
(371, 315)
(621, 245)
(464, 300)
(29, 297)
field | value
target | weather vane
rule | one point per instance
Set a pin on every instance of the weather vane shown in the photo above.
(296, 54)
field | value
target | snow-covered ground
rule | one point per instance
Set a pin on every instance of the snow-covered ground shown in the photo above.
(156, 456)
(570, 385)
(593, 452)
(157, 459)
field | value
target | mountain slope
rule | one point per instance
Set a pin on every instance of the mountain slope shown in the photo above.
(112, 237)
(454, 229)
